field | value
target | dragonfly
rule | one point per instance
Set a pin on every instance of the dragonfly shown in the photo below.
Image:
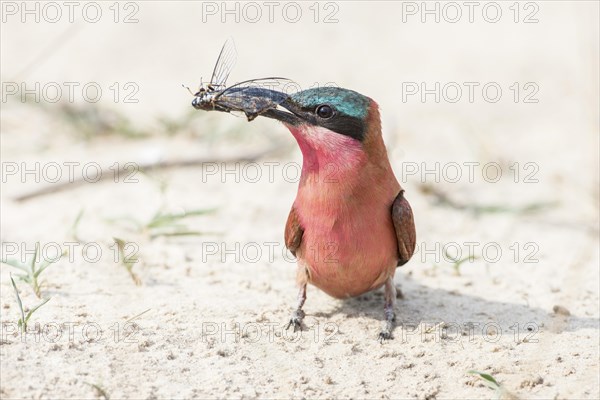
(252, 97)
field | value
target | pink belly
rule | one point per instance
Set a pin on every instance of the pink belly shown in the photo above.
(347, 255)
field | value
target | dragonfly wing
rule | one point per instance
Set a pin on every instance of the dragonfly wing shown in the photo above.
(271, 83)
(224, 64)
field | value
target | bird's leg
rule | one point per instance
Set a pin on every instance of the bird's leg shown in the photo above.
(388, 309)
(298, 314)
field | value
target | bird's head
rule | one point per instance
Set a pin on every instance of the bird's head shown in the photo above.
(338, 110)
(332, 121)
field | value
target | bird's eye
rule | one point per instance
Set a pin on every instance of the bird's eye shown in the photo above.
(324, 111)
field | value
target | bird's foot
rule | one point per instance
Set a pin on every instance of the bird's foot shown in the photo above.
(388, 327)
(386, 333)
(296, 320)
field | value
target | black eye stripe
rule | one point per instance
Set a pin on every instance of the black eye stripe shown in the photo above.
(346, 125)
(340, 123)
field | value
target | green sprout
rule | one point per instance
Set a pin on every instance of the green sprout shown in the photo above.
(33, 270)
(458, 262)
(22, 323)
(166, 224)
(170, 224)
(128, 261)
(492, 383)
(73, 231)
(92, 122)
(443, 199)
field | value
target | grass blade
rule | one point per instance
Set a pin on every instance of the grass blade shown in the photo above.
(34, 309)
(48, 263)
(127, 261)
(489, 380)
(19, 302)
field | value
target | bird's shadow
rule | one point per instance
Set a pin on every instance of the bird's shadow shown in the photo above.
(420, 305)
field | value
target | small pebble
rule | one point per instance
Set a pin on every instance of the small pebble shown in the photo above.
(560, 310)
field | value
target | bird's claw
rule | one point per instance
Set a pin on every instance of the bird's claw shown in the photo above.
(388, 327)
(296, 320)
(384, 335)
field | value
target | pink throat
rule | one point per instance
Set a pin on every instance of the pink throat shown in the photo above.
(324, 150)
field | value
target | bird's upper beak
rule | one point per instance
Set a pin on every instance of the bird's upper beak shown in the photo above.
(293, 114)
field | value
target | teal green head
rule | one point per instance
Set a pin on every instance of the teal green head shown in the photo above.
(342, 111)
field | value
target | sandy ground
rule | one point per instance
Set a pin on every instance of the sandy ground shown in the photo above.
(213, 307)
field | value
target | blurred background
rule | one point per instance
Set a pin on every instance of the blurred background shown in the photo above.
(494, 87)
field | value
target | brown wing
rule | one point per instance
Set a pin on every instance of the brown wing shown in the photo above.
(293, 232)
(404, 224)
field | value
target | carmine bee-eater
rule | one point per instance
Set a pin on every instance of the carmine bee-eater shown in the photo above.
(350, 225)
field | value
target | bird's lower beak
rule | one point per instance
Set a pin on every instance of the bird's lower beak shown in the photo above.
(292, 116)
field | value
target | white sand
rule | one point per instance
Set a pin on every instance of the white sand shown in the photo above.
(216, 312)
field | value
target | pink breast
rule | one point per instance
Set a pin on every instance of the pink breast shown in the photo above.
(344, 205)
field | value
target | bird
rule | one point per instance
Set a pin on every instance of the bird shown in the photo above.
(350, 225)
